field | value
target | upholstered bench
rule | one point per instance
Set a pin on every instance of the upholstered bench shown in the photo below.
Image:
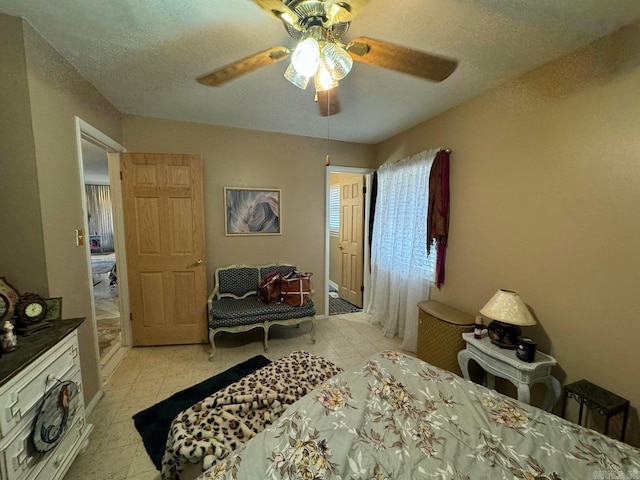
(234, 307)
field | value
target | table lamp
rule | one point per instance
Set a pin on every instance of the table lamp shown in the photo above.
(508, 313)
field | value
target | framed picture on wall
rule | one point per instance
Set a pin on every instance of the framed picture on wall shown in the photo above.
(252, 211)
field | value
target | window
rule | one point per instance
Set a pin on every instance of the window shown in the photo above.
(401, 270)
(400, 229)
(334, 210)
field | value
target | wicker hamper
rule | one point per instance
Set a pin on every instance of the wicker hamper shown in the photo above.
(440, 329)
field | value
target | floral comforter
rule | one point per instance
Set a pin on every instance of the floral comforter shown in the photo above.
(397, 417)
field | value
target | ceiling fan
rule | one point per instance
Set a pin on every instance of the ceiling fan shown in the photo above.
(321, 54)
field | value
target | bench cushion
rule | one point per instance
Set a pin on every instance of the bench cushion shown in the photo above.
(231, 312)
(238, 281)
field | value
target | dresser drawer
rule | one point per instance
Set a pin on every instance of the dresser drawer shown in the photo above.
(60, 458)
(19, 459)
(22, 394)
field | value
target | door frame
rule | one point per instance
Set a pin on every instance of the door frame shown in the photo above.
(86, 131)
(367, 204)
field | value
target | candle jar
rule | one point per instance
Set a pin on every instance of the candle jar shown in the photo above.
(478, 327)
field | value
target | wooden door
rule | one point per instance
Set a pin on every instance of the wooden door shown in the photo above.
(351, 238)
(164, 238)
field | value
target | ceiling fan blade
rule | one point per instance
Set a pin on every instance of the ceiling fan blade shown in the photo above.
(246, 65)
(328, 102)
(344, 11)
(278, 10)
(401, 59)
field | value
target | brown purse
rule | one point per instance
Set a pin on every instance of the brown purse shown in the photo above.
(269, 288)
(295, 288)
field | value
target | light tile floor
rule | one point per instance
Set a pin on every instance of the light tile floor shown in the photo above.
(148, 375)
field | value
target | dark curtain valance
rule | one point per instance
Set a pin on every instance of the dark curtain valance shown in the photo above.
(438, 214)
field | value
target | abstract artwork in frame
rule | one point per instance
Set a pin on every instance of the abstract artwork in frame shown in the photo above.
(252, 211)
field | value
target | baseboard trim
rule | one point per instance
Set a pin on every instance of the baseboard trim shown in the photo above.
(92, 404)
(111, 362)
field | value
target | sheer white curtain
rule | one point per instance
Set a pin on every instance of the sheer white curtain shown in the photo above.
(100, 213)
(401, 272)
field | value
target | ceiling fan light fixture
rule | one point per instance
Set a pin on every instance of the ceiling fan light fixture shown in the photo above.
(318, 27)
(295, 78)
(306, 57)
(337, 61)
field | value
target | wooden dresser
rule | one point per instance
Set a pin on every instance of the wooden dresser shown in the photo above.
(40, 363)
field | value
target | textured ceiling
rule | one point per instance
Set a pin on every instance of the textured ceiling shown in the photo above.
(144, 56)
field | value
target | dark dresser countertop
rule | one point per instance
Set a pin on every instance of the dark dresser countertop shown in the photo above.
(31, 347)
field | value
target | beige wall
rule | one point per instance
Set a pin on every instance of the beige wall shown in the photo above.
(42, 175)
(545, 200)
(242, 158)
(21, 242)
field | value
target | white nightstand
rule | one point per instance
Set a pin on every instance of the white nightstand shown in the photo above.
(503, 363)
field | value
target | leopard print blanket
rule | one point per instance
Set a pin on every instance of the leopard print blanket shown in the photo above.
(225, 420)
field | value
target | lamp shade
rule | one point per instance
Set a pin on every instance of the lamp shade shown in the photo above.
(323, 79)
(509, 313)
(295, 78)
(507, 306)
(306, 57)
(337, 61)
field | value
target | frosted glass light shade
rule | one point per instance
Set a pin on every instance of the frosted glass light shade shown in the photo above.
(337, 60)
(507, 306)
(294, 77)
(306, 57)
(323, 79)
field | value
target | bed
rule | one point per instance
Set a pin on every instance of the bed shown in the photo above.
(396, 417)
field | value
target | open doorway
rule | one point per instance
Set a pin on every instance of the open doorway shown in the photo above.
(347, 249)
(101, 201)
(101, 239)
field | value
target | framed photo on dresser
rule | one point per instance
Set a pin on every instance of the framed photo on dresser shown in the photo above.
(54, 308)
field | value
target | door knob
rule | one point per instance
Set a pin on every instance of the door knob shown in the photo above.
(195, 264)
